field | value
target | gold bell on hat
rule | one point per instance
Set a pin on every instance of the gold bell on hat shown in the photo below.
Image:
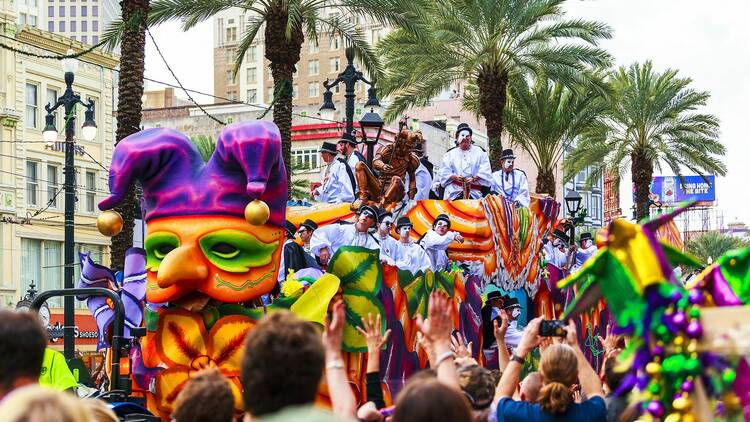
(109, 223)
(257, 212)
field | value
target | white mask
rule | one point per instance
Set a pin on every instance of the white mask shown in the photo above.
(516, 313)
(404, 232)
(585, 244)
(386, 225)
(441, 224)
(508, 163)
(461, 135)
(556, 242)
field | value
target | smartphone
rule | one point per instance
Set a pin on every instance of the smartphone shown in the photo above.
(552, 328)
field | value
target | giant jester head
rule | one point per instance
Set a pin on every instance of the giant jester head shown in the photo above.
(199, 245)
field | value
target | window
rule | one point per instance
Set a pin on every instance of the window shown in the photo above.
(51, 11)
(52, 99)
(252, 96)
(269, 94)
(22, 19)
(32, 104)
(51, 26)
(312, 89)
(72, 11)
(84, 11)
(229, 54)
(72, 26)
(313, 67)
(232, 96)
(31, 263)
(32, 21)
(313, 47)
(335, 43)
(232, 34)
(252, 75)
(306, 158)
(90, 191)
(230, 78)
(95, 11)
(32, 183)
(295, 91)
(581, 177)
(335, 64)
(85, 39)
(337, 89)
(73, 37)
(95, 39)
(252, 53)
(52, 270)
(61, 26)
(62, 11)
(84, 26)
(95, 26)
(596, 207)
(52, 186)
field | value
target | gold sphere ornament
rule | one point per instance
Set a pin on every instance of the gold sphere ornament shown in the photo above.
(682, 404)
(109, 223)
(653, 368)
(673, 417)
(257, 212)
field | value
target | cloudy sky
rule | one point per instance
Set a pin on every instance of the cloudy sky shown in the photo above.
(707, 41)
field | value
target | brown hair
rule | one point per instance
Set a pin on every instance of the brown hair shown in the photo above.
(41, 404)
(559, 367)
(99, 410)
(22, 343)
(282, 365)
(206, 397)
(444, 403)
(478, 385)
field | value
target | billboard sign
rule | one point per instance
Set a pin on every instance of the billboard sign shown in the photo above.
(670, 190)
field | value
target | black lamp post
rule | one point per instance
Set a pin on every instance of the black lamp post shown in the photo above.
(573, 203)
(69, 100)
(349, 77)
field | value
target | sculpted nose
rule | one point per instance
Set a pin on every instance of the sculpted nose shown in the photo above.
(183, 265)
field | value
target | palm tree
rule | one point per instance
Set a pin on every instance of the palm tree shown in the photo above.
(545, 119)
(712, 245)
(652, 120)
(487, 43)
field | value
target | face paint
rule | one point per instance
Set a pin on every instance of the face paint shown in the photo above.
(515, 313)
(508, 164)
(441, 227)
(556, 242)
(385, 226)
(404, 232)
(585, 244)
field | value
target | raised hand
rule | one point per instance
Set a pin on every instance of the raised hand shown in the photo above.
(334, 330)
(439, 323)
(501, 328)
(371, 333)
(460, 347)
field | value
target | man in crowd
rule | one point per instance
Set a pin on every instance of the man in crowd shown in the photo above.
(587, 250)
(206, 397)
(305, 233)
(557, 251)
(293, 256)
(388, 244)
(465, 170)
(513, 335)
(437, 240)
(409, 255)
(327, 239)
(347, 147)
(490, 312)
(337, 187)
(22, 343)
(511, 182)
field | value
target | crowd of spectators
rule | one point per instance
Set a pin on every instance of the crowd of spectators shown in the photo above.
(289, 366)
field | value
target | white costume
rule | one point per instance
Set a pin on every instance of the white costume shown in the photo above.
(410, 256)
(583, 255)
(514, 186)
(388, 248)
(435, 246)
(334, 236)
(336, 187)
(470, 163)
(424, 182)
(555, 256)
(513, 335)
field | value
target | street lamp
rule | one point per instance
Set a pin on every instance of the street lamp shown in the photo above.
(69, 100)
(349, 77)
(573, 203)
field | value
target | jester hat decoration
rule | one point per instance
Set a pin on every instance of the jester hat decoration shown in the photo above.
(199, 245)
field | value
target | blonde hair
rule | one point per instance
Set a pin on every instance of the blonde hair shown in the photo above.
(42, 404)
(559, 367)
(99, 411)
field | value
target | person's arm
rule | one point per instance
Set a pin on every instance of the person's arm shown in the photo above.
(483, 175)
(433, 240)
(437, 329)
(523, 197)
(502, 350)
(508, 382)
(375, 342)
(587, 377)
(322, 238)
(342, 400)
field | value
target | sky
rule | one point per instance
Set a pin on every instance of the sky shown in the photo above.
(707, 41)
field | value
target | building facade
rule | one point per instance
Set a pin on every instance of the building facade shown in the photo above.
(79, 20)
(31, 170)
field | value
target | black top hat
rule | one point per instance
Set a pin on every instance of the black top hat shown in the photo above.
(463, 126)
(511, 303)
(348, 138)
(506, 154)
(442, 217)
(382, 213)
(586, 236)
(561, 235)
(328, 147)
(310, 225)
(368, 211)
(402, 222)
(290, 228)
(495, 294)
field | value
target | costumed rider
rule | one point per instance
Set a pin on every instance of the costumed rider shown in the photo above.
(349, 157)
(409, 255)
(423, 175)
(388, 244)
(491, 312)
(305, 232)
(465, 169)
(293, 256)
(587, 250)
(437, 240)
(556, 251)
(328, 239)
(337, 186)
(513, 336)
(511, 182)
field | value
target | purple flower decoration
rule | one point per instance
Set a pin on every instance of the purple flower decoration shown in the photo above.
(132, 292)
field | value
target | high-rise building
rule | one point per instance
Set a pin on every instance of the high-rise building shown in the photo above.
(80, 20)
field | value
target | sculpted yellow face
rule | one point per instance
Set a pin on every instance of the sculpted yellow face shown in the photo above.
(223, 257)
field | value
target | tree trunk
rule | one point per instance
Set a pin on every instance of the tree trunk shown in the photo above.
(493, 91)
(545, 182)
(642, 169)
(283, 53)
(129, 108)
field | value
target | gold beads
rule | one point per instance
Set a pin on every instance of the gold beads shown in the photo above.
(109, 223)
(257, 212)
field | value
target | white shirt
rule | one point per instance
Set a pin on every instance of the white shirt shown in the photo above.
(283, 272)
(334, 236)
(424, 181)
(336, 187)
(514, 186)
(555, 256)
(473, 162)
(513, 335)
(583, 255)
(435, 246)
(412, 257)
(388, 247)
